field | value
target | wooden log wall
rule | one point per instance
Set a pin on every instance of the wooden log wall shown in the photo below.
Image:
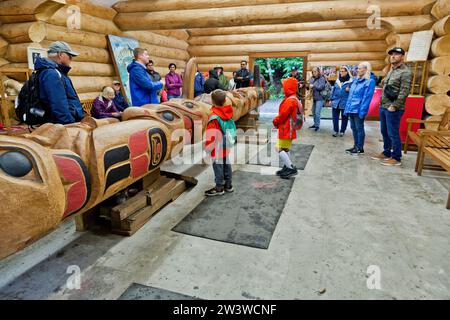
(438, 86)
(224, 32)
(37, 23)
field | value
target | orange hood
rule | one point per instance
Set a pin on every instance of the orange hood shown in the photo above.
(225, 112)
(290, 86)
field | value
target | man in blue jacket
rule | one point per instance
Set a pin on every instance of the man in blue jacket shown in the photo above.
(143, 89)
(55, 87)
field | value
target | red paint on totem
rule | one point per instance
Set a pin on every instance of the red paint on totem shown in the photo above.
(76, 189)
(139, 165)
(138, 143)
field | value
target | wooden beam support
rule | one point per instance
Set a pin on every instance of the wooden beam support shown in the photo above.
(169, 5)
(157, 39)
(298, 36)
(264, 14)
(313, 47)
(307, 26)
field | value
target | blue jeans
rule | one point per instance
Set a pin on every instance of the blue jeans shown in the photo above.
(317, 109)
(336, 113)
(170, 96)
(390, 129)
(222, 172)
(359, 134)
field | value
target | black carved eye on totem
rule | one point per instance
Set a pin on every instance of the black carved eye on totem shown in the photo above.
(168, 116)
(189, 105)
(15, 164)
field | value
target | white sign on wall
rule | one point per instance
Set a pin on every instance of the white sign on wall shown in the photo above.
(420, 46)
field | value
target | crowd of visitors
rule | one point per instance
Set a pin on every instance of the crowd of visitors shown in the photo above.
(349, 98)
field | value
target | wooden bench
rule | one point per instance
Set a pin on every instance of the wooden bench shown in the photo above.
(87, 105)
(437, 147)
(419, 136)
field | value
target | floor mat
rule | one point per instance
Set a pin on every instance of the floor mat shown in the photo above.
(248, 216)
(141, 292)
(300, 154)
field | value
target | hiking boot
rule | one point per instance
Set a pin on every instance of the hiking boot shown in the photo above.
(280, 172)
(379, 156)
(229, 189)
(335, 134)
(289, 173)
(391, 162)
(216, 191)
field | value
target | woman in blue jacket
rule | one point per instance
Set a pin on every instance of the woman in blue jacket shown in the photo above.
(358, 103)
(199, 83)
(339, 98)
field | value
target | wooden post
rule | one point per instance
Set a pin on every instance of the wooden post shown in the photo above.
(424, 78)
(414, 78)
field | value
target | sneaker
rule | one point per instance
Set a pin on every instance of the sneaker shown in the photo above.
(391, 162)
(214, 192)
(312, 127)
(357, 152)
(280, 172)
(379, 156)
(341, 134)
(335, 134)
(350, 150)
(289, 173)
(229, 189)
(316, 129)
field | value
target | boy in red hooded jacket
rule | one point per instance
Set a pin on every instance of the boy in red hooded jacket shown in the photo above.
(284, 122)
(218, 142)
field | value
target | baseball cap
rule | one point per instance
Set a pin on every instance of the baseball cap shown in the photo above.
(398, 50)
(294, 68)
(61, 46)
(217, 66)
(116, 82)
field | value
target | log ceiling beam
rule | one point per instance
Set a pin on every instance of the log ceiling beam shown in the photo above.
(313, 47)
(265, 14)
(298, 36)
(169, 5)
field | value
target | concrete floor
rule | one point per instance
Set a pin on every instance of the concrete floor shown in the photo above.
(343, 215)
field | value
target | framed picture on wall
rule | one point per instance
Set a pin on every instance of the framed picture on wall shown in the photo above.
(330, 72)
(33, 54)
(122, 53)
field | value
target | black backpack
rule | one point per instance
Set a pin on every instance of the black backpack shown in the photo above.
(29, 108)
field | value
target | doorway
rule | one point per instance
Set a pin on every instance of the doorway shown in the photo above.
(274, 67)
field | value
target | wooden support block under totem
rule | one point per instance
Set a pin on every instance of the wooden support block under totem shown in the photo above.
(130, 216)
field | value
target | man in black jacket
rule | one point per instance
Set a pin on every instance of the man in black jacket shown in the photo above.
(212, 83)
(242, 77)
(151, 71)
